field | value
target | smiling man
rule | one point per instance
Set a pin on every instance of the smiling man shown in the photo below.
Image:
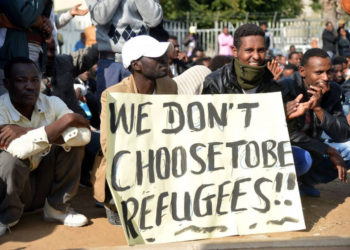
(41, 141)
(248, 72)
(325, 114)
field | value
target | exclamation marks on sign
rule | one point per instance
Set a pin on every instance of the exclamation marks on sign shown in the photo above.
(290, 186)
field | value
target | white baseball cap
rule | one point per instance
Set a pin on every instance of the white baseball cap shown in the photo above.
(143, 45)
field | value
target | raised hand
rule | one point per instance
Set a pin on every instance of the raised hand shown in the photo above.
(275, 69)
(295, 108)
(75, 11)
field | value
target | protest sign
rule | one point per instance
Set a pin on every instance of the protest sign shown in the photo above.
(194, 167)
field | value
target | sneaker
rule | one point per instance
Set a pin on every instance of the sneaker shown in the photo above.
(4, 227)
(69, 218)
(307, 190)
(112, 216)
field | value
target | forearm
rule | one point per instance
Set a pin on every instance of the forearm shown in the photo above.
(31, 143)
(55, 129)
(336, 126)
(62, 19)
(319, 112)
(150, 11)
(103, 11)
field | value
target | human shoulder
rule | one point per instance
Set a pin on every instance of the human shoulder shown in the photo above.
(125, 86)
(216, 81)
(52, 105)
(335, 89)
(217, 74)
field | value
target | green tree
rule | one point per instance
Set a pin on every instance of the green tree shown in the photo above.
(205, 12)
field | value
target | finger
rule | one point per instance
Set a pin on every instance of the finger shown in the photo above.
(8, 141)
(77, 6)
(298, 98)
(345, 176)
(317, 89)
(343, 179)
(312, 92)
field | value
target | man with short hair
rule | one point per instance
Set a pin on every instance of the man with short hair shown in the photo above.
(41, 141)
(248, 72)
(325, 114)
(294, 58)
(147, 60)
(329, 40)
(338, 69)
(289, 70)
(268, 38)
(177, 65)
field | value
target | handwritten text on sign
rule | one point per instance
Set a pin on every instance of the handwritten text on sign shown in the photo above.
(194, 167)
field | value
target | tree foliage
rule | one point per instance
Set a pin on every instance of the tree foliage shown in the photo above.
(207, 11)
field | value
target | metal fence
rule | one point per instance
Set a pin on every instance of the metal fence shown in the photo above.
(284, 33)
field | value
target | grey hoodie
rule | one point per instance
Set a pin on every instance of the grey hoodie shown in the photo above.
(118, 20)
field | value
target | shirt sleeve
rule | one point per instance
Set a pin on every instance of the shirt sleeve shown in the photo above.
(63, 19)
(73, 137)
(150, 11)
(102, 11)
(33, 142)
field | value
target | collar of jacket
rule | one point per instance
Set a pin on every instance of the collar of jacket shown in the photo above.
(267, 78)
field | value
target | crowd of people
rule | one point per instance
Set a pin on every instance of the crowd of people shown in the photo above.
(53, 106)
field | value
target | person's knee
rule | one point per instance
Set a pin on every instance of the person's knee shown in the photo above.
(11, 166)
(302, 160)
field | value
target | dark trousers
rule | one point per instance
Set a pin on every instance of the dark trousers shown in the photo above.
(322, 171)
(56, 178)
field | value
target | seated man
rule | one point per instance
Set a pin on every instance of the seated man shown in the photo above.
(41, 141)
(147, 60)
(325, 114)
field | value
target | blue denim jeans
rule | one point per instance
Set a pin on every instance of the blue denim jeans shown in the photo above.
(302, 160)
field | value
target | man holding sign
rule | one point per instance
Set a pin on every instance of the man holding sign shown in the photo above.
(147, 60)
(184, 167)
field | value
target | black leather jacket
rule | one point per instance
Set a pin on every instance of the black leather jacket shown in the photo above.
(334, 122)
(224, 80)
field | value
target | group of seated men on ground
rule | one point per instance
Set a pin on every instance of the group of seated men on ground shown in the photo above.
(43, 137)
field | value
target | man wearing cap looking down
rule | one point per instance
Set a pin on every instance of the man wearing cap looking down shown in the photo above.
(147, 60)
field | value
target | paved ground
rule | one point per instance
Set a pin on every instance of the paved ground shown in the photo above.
(327, 226)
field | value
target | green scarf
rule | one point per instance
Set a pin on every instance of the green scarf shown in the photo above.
(249, 77)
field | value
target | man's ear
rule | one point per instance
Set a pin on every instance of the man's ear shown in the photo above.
(302, 71)
(234, 51)
(136, 65)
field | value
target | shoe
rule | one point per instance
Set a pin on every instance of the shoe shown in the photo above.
(307, 190)
(69, 218)
(4, 227)
(112, 216)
